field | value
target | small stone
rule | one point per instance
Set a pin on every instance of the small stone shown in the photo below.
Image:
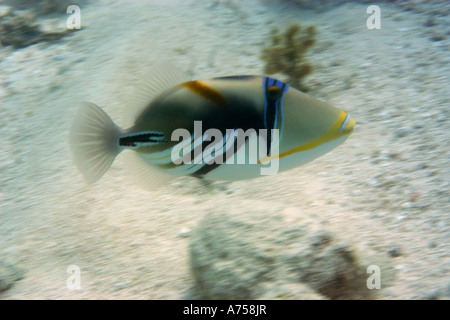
(4, 11)
(438, 37)
(160, 283)
(432, 244)
(430, 22)
(421, 166)
(433, 295)
(395, 252)
(121, 285)
(418, 125)
(407, 205)
(184, 233)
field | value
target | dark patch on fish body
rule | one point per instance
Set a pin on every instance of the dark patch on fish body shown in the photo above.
(236, 78)
(167, 115)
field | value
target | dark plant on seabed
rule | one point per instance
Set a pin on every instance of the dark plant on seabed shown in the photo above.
(21, 30)
(286, 54)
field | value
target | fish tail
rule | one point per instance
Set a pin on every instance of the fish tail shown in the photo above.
(93, 140)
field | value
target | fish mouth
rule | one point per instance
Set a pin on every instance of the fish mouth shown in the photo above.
(347, 125)
(343, 127)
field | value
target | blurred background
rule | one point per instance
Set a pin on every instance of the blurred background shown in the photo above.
(380, 199)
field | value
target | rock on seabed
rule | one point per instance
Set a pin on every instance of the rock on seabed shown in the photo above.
(9, 273)
(243, 252)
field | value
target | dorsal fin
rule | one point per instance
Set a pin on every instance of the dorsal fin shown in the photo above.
(156, 80)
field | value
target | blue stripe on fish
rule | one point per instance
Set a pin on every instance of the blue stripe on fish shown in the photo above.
(274, 91)
(347, 118)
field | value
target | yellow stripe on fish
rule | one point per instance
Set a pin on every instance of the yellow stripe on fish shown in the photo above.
(205, 91)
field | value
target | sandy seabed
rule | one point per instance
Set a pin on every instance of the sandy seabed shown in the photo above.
(387, 186)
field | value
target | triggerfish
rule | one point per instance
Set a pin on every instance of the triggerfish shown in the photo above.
(225, 128)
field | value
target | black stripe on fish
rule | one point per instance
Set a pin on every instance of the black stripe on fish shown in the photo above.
(141, 139)
(206, 168)
(270, 112)
(273, 94)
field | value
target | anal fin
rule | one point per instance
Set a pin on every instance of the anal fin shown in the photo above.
(143, 173)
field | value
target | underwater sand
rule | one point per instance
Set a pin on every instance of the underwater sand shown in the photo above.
(387, 186)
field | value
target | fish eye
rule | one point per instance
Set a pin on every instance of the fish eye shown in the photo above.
(273, 92)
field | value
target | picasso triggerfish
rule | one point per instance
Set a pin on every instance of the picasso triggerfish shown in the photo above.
(226, 128)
